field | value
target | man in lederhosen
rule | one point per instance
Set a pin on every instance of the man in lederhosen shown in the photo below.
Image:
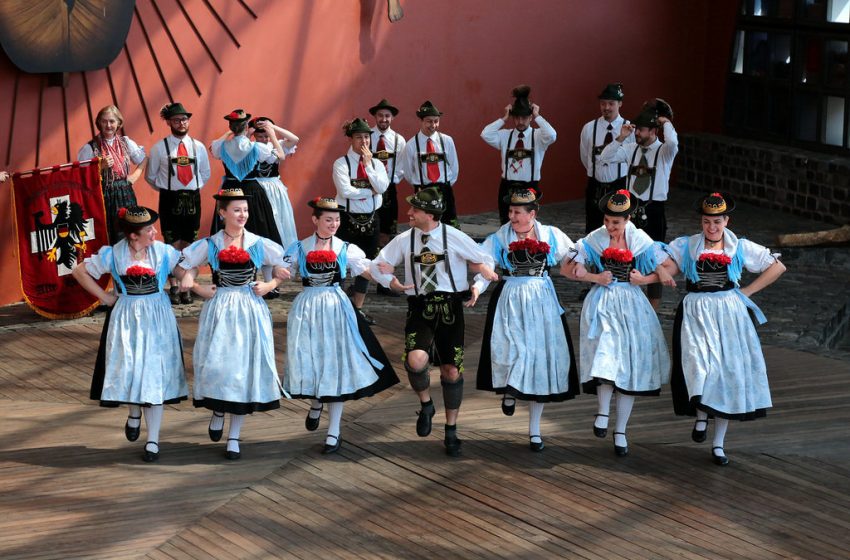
(178, 168)
(603, 178)
(360, 182)
(435, 258)
(522, 148)
(650, 162)
(388, 145)
(430, 160)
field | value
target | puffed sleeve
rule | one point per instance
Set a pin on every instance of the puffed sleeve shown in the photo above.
(265, 153)
(272, 253)
(357, 261)
(100, 263)
(172, 256)
(479, 281)
(392, 253)
(677, 249)
(85, 152)
(757, 258)
(659, 253)
(565, 244)
(195, 254)
(578, 253)
(137, 153)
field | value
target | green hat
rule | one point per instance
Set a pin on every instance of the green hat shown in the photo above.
(137, 216)
(356, 125)
(612, 92)
(172, 110)
(619, 203)
(648, 118)
(715, 204)
(383, 104)
(428, 200)
(427, 109)
(237, 115)
(521, 106)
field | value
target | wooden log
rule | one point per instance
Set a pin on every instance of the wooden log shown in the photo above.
(814, 238)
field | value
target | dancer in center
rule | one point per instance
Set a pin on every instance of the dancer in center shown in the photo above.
(332, 355)
(622, 347)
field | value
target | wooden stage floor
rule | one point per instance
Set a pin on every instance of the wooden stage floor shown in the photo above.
(71, 486)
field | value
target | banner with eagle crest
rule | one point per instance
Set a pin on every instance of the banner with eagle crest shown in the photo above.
(60, 220)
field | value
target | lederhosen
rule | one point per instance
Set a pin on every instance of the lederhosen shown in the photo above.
(117, 191)
(361, 229)
(655, 222)
(180, 210)
(260, 214)
(450, 214)
(507, 186)
(596, 190)
(435, 320)
(388, 212)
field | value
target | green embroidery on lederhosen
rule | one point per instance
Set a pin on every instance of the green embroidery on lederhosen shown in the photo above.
(459, 358)
(409, 344)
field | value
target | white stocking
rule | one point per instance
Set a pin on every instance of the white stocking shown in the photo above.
(134, 415)
(334, 418)
(720, 427)
(153, 421)
(603, 397)
(535, 412)
(624, 410)
(236, 421)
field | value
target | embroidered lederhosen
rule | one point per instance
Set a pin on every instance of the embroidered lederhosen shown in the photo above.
(449, 216)
(363, 224)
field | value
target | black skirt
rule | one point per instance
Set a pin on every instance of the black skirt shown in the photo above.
(260, 215)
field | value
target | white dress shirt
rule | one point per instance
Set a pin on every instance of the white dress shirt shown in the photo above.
(617, 152)
(395, 145)
(604, 172)
(160, 159)
(359, 201)
(542, 137)
(412, 166)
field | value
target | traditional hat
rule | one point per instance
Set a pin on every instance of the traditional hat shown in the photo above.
(661, 107)
(237, 115)
(618, 203)
(356, 125)
(521, 106)
(522, 197)
(253, 122)
(231, 193)
(383, 104)
(612, 92)
(427, 109)
(326, 203)
(137, 216)
(172, 110)
(428, 200)
(714, 204)
(648, 118)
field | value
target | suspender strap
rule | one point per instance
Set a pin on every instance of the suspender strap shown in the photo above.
(507, 149)
(168, 157)
(395, 157)
(171, 169)
(445, 160)
(593, 148)
(446, 262)
(652, 176)
(348, 165)
(413, 264)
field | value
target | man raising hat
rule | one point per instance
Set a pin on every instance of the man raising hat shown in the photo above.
(522, 148)
(430, 160)
(435, 257)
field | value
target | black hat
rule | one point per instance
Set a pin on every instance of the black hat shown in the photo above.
(172, 110)
(648, 118)
(619, 203)
(714, 204)
(137, 216)
(521, 197)
(253, 122)
(427, 109)
(326, 203)
(356, 125)
(237, 115)
(383, 104)
(521, 106)
(231, 193)
(612, 92)
(661, 107)
(428, 200)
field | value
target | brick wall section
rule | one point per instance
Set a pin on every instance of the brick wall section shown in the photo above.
(808, 184)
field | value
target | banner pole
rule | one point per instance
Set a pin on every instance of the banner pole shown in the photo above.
(56, 167)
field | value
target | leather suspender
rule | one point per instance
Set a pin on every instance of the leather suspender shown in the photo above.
(445, 261)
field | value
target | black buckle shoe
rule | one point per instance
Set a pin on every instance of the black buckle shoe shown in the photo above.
(151, 456)
(599, 432)
(536, 446)
(215, 435)
(699, 435)
(132, 434)
(508, 409)
(719, 460)
(452, 443)
(174, 295)
(366, 318)
(620, 451)
(312, 423)
(232, 455)
(329, 449)
(186, 298)
(423, 423)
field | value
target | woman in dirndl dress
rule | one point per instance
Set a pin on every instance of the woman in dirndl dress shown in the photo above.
(718, 365)
(332, 354)
(116, 179)
(268, 175)
(234, 362)
(527, 351)
(622, 348)
(140, 358)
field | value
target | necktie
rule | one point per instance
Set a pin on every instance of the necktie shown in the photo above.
(427, 272)
(516, 164)
(609, 136)
(184, 172)
(361, 170)
(433, 168)
(642, 178)
(382, 146)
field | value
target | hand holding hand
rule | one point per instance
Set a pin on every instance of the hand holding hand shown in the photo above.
(473, 298)
(397, 286)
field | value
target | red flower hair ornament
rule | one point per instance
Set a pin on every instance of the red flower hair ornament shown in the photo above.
(122, 212)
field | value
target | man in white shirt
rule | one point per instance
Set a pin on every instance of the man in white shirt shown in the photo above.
(603, 178)
(360, 183)
(522, 148)
(430, 160)
(650, 162)
(435, 258)
(178, 168)
(388, 146)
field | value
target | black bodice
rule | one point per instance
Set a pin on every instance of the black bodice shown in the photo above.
(619, 270)
(233, 275)
(713, 277)
(526, 264)
(322, 275)
(140, 285)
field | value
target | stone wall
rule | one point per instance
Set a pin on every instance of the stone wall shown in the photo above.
(809, 184)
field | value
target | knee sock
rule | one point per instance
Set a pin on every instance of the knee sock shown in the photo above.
(315, 409)
(720, 427)
(134, 415)
(153, 421)
(334, 418)
(624, 410)
(217, 421)
(236, 421)
(603, 398)
(535, 411)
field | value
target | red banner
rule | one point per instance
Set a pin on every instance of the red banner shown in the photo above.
(60, 220)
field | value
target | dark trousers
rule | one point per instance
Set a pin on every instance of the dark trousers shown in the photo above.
(593, 193)
(656, 228)
(389, 211)
(367, 241)
(507, 187)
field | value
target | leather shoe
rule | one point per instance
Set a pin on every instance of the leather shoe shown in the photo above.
(600, 432)
(151, 456)
(215, 435)
(186, 298)
(174, 295)
(423, 423)
(132, 434)
(620, 451)
(329, 449)
(720, 460)
(232, 455)
(536, 446)
(508, 409)
(365, 318)
(699, 435)
(452, 443)
(312, 423)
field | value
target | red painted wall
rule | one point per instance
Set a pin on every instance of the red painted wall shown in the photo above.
(311, 64)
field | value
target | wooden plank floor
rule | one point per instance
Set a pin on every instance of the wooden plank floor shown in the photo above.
(71, 486)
